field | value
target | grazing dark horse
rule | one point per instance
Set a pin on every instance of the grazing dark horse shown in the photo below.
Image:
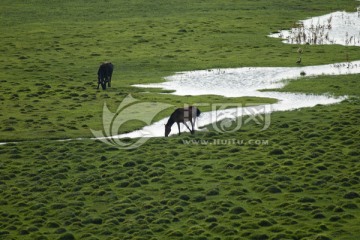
(182, 115)
(104, 74)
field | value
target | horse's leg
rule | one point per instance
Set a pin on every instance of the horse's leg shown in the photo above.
(100, 79)
(188, 127)
(178, 127)
(111, 69)
(192, 126)
(103, 84)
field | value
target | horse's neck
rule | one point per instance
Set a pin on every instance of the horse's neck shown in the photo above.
(170, 122)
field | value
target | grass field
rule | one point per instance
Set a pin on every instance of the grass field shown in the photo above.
(299, 179)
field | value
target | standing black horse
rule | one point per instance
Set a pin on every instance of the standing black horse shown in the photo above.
(104, 74)
(181, 115)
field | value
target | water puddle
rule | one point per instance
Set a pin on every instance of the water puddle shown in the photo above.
(246, 81)
(335, 28)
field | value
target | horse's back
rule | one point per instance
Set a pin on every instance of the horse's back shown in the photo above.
(110, 68)
(106, 69)
(177, 113)
(185, 114)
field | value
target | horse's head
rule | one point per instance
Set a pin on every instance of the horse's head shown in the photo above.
(167, 130)
(103, 85)
(102, 81)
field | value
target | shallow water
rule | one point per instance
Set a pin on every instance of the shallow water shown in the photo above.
(335, 28)
(246, 81)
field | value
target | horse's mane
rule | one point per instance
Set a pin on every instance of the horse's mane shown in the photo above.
(171, 120)
(172, 117)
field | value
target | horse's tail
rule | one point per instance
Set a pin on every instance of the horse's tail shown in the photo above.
(198, 112)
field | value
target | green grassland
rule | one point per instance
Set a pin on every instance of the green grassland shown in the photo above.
(299, 179)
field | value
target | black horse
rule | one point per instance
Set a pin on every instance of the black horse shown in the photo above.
(104, 74)
(181, 115)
